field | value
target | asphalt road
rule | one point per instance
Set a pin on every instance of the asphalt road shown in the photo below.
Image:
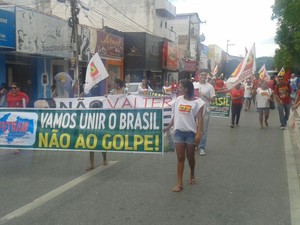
(248, 177)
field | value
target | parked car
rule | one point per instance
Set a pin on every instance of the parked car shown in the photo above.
(133, 87)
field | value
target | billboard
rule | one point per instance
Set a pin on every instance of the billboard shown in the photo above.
(37, 33)
(7, 27)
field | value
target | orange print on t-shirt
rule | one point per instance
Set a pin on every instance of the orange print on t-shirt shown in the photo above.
(185, 108)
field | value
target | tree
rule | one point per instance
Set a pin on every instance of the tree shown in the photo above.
(286, 12)
(268, 61)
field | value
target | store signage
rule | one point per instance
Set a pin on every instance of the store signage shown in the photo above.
(7, 24)
(109, 46)
(170, 56)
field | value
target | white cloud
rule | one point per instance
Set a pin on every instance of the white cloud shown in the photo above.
(243, 22)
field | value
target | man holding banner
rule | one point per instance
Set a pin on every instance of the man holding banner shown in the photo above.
(95, 73)
(207, 94)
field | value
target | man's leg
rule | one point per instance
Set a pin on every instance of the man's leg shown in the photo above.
(202, 145)
(287, 109)
(281, 115)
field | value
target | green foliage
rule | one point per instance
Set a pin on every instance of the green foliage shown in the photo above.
(286, 12)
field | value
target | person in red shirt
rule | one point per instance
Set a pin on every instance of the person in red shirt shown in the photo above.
(282, 93)
(271, 83)
(219, 85)
(16, 98)
(237, 95)
(174, 86)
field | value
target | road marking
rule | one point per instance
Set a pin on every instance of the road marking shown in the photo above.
(52, 194)
(293, 179)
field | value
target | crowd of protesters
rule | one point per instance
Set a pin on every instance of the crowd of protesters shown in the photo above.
(191, 127)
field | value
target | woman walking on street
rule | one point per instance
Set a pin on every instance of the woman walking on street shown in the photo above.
(263, 97)
(187, 120)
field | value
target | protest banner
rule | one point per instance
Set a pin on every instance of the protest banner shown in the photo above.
(123, 101)
(111, 130)
(221, 106)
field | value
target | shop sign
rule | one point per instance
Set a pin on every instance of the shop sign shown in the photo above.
(170, 56)
(42, 34)
(109, 46)
(190, 66)
(7, 24)
(153, 52)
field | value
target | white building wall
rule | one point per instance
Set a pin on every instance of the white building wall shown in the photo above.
(215, 55)
(122, 15)
(44, 6)
(187, 30)
(136, 13)
(180, 26)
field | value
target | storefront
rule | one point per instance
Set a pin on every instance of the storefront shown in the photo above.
(143, 58)
(36, 48)
(189, 69)
(111, 48)
(33, 47)
(170, 61)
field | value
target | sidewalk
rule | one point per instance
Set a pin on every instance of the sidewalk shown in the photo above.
(292, 152)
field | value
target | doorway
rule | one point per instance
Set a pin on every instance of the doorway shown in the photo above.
(22, 74)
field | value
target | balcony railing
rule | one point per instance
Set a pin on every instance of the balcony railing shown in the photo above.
(165, 9)
(166, 33)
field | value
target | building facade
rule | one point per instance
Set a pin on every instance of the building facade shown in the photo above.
(40, 48)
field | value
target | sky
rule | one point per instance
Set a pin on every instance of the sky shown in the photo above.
(242, 22)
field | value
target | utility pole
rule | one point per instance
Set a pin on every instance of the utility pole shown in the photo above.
(200, 38)
(73, 22)
(228, 45)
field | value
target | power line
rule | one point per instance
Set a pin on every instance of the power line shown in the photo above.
(117, 23)
(129, 18)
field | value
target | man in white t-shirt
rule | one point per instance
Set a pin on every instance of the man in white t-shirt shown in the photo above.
(207, 94)
(196, 87)
(248, 90)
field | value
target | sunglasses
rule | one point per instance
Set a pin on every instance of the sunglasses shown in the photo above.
(14, 87)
